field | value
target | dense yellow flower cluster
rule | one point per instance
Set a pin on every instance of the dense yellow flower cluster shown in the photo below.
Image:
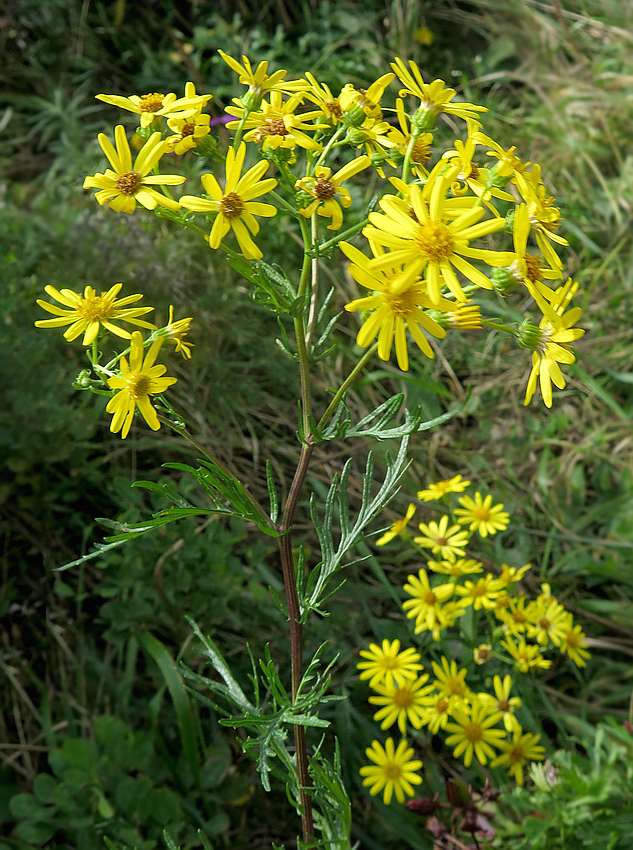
(441, 237)
(519, 631)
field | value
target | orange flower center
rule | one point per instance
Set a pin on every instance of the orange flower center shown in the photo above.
(334, 108)
(139, 385)
(435, 240)
(429, 598)
(187, 130)
(545, 623)
(503, 705)
(420, 152)
(152, 102)
(129, 182)
(441, 705)
(516, 754)
(273, 127)
(232, 206)
(456, 686)
(572, 640)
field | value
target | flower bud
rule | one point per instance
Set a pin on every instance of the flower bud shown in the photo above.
(503, 280)
(422, 119)
(529, 336)
(355, 137)
(252, 100)
(82, 381)
(355, 115)
(498, 177)
(206, 146)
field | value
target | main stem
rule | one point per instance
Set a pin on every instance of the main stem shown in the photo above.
(296, 629)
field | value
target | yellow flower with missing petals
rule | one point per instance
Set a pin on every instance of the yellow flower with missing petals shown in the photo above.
(517, 751)
(397, 528)
(90, 312)
(446, 542)
(573, 644)
(439, 710)
(258, 80)
(503, 704)
(435, 491)
(424, 606)
(175, 331)
(462, 567)
(550, 341)
(483, 594)
(138, 380)
(435, 96)
(401, 139)
(321, 95)
(482, 515)
(326, 190)
(128, 183)
(366, 99)
(387, 665)
(449, 681)
(234, 206)
(276, 125)
(393, 770)
(150, 106)
(526, 655)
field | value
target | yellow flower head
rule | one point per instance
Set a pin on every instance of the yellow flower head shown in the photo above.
(503, 704)
(401, 703)
(401, 139)
(516, 752)
(481, 594)
(434, 239)
(128, 183)
(276, 125)
(397, 303)
(234, 206)
(550, 342)
(321, 96)
(447, 542)
(366, 99)
(449, 681)
(573, 643)
(435, 491)
(154, 105)
(327, 191)
(258, 80)
(138, 380)
(175, 331)
(482, 515)
(526, 655)
(434, 97)
(393, 770)
(387, 665)
(472, 734)
(187, 132)
(89, 312)
(426, 601)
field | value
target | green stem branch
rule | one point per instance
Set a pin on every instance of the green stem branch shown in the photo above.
(353, 375)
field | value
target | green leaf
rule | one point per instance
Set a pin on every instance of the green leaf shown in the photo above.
(180, 698)
(272, 492)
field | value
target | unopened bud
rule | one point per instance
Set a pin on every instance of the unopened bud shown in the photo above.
(529, 336)
(423, 119)
(355, 137)
(503, 280)
(252, 100)
(82, 381)
(355, 115)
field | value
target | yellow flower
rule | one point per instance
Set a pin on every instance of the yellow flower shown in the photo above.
(396, 304)
(544, 216)
(136, 383)
(462, 567)
(149, 106)
(482, 515)
(325, 189)
(510, 575)
(470, 175)
(175, 331)
(435, 240)
(234, 206)
(367, 99)
(89, 312)
(401, 703)
(258, 81)
(547, 621)
(424, 36)
(472, 734)
(439, 709)
(393, 770)
(435, 96)
(374, 135)
(435, 491)
(187, 132)
(573, 644)
(503, 704)
(276, 124)
(449, 681)
(397, 528)
(387, 665)
(509, 163)
(482, 653)
(550, 341)
(526, 655)
(320, 94)
(513, 615)
(528, 267)
(480, 595)
(441, 540)
(515, 753)
(128, 183)
(426, 601)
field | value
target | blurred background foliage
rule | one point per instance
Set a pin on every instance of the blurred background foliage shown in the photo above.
(97, 738)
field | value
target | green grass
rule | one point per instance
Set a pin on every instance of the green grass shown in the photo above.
(556, 79)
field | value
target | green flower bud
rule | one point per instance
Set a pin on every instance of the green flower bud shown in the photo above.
(82, 381)
(377, 158)
(423, 119)
(355, 116)
(252, 100)
(503, 280)
(355, 137)
(207, 146)
(529, 336)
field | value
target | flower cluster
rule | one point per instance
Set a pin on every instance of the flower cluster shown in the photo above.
(507, 630)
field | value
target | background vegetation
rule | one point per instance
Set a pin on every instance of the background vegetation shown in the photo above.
(99, 737)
